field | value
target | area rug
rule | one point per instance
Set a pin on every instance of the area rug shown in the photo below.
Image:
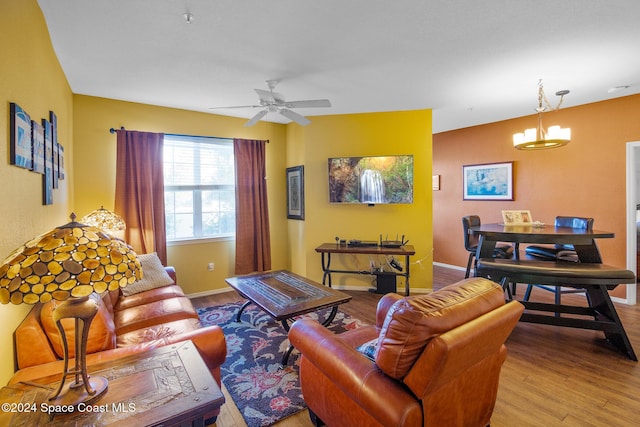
(263, 390)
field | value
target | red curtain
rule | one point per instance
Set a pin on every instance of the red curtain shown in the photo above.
(253, 241)
(140, 191)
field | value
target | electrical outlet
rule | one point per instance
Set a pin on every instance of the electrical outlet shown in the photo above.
(211, 266)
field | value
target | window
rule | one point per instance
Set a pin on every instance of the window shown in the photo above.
(199, 187)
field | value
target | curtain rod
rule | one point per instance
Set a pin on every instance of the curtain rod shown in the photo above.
(113, 130)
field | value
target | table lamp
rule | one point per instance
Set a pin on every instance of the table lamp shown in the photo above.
(104, 219)
(68, 264)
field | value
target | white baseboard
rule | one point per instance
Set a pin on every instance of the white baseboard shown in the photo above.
(453, 267)
(211, 292)
(626, 301)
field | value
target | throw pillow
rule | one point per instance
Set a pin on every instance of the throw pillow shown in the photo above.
(153, 276)
(368, 349)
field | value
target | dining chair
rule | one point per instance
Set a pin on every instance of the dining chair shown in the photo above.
(502, 250)
(559, 252)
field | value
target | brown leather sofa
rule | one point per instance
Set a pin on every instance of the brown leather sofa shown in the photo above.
(124, 325)
(436, 360)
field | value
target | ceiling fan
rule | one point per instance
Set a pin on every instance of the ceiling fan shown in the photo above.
(273, 102)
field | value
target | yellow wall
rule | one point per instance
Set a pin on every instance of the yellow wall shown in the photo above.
(95, 158)
(403, 132)
(296, 228)
(31, 77)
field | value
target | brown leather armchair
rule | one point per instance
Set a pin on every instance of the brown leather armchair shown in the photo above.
(436, 360)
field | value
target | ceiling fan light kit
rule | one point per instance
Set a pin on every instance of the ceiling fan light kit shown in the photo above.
(273, 102)
(537, 138)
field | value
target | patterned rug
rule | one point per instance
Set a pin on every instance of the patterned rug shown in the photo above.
(261, 388)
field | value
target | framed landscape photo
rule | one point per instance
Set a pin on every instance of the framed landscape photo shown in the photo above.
(295, 192)
(490, 181)
(20, 138)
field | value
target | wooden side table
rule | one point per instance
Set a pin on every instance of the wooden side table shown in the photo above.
(168, 386)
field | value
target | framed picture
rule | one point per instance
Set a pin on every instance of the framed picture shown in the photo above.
(55, 163)
(38, 138)
(490, 181)
(517, 218)
(295, 192)
(60, 161)
(20, 138)
(58, 151)
(435, 182)
(47, 178)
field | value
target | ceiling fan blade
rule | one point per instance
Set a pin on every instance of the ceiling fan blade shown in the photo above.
(309, 103)
(279, 98)
(301, 120)
(255, 119)
(235, 106)
(265, 96)
(270, 97)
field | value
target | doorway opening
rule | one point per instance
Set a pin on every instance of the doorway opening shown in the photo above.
(633, 217)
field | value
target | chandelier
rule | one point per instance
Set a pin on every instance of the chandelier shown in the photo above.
(537, 138)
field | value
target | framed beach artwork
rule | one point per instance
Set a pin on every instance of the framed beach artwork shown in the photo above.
(295, 192)
(490, 181)
(20, 138)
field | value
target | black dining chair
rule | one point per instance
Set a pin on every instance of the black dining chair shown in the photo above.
(558, 252)
(502, 250)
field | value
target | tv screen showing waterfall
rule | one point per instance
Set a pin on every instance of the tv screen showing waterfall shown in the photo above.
(371, 180)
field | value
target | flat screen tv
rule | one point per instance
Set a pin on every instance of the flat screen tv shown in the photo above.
(371, 180)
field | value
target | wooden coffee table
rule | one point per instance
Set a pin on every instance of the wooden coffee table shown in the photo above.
(168, 386)
(284, 295)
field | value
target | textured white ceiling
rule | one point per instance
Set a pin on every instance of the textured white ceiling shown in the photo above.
(472, 62)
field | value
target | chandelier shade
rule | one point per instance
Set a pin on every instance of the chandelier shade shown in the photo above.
(533, 139)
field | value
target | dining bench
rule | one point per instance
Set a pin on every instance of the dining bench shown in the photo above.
(595, 278)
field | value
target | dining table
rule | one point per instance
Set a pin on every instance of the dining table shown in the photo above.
(584, 241)
(589, 274)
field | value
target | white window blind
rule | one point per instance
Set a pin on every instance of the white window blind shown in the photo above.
(199, 184)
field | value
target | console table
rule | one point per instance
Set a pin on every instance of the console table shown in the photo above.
(326, 249)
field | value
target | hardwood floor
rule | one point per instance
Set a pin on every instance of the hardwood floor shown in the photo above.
(552, 376)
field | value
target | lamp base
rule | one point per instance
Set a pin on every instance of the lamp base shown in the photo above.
(74, 394)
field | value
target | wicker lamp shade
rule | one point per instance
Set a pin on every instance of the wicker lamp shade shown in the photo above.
(73, 260)
(104, 219)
